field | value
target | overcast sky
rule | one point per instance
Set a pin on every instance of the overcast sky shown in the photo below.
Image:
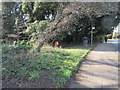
(117, 29)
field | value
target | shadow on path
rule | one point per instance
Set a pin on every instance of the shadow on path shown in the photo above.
(98, 70)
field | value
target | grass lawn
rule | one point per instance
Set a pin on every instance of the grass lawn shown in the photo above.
(114, 39)
(52, 67)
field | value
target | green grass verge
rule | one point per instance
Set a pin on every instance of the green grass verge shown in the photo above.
(61, 63)
(114, 39)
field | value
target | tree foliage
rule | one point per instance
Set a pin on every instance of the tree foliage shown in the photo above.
(8, 9)
(39, 10)
(37, 27)
(73, 20)
(73, 11)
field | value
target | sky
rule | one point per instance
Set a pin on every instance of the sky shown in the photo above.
(117, 29)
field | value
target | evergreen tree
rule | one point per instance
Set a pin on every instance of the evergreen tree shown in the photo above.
(39, 10)
(8, 11)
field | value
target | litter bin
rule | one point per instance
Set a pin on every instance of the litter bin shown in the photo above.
(85, 41)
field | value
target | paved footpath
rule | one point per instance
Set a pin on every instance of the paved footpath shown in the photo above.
(99, 70)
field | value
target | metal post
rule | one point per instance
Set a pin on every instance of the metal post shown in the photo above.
(91, 37)
(92, 25)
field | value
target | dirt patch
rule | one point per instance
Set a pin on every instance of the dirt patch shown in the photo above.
(43, 82)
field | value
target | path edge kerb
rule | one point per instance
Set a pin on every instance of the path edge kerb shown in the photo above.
(79, 65)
